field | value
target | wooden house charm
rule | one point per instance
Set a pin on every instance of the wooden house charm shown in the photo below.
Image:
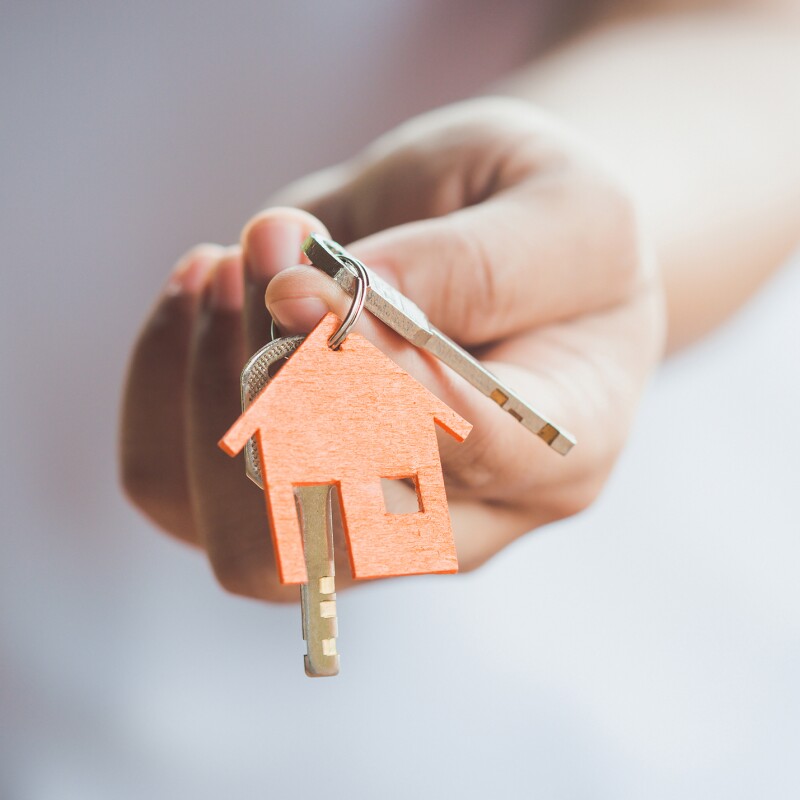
(350, 417)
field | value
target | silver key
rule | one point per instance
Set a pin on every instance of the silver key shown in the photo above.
(255, 376)
(407, 319)
(318, 595)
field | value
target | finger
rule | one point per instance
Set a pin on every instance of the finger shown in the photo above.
(271, 242)
(529, 257)
(152, 435)
(491, 227)
(427, 167)
(229, 509)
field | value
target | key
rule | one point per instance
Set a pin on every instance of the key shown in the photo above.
(407, 319)
(318, 596)
(255, 376)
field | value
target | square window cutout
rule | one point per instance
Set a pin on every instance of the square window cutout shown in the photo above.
(401, 495)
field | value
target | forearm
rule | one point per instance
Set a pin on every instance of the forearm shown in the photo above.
(700, 114)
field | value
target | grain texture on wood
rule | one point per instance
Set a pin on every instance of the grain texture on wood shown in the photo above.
(350, 417)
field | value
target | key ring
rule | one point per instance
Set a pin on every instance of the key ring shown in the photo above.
(356, 307)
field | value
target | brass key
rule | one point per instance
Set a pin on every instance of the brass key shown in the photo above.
(318, 596)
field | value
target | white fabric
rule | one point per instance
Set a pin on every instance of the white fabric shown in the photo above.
(648, 648)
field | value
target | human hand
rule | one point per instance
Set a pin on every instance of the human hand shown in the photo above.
(502, 227)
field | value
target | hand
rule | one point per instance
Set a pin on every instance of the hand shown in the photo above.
(504, 229)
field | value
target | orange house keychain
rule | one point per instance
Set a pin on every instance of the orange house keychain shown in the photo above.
(311, 428)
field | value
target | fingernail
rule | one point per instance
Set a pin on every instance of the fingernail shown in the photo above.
(189, 275)
(270, 246)
(297, 314)
(226, 292)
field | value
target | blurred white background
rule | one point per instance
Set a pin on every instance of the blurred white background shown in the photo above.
(647, 649)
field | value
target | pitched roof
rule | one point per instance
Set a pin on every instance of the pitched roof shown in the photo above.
(359, 372)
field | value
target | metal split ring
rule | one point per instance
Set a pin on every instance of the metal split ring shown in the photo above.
(356, 307)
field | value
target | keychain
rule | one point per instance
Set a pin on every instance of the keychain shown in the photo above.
(341, 413)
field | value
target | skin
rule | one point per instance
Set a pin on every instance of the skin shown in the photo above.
(502, 223)
(713, 165)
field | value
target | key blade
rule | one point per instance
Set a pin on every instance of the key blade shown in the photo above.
(318, 596)
(458, 359)
(406, 318)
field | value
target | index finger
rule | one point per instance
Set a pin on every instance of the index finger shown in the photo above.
(492, 225)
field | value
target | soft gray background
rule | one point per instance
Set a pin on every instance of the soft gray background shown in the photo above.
(648, 649)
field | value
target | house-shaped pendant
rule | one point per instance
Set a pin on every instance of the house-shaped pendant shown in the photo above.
(351, 417)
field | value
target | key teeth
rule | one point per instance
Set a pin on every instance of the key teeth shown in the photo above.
(327, 609)
(329, 647)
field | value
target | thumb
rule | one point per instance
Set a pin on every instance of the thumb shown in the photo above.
(543, 251)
